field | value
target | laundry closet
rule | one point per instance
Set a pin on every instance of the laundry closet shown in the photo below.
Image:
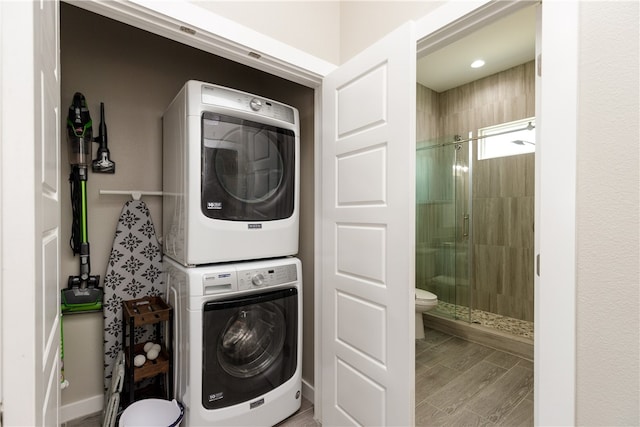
(136, 74)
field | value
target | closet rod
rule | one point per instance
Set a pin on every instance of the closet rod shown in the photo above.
(135, 194)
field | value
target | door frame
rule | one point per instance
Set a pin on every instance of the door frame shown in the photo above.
(556, 118)
(556, 230)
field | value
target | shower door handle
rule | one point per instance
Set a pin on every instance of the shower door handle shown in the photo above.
(465, 225)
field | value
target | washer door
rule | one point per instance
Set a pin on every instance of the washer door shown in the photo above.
(248, 169)
(252, 340)
(249, 346)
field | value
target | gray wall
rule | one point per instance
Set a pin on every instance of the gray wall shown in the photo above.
(136, 74)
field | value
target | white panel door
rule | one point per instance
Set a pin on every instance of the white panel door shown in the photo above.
(30, 212)
(368, 205)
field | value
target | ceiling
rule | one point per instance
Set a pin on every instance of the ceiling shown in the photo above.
(503, 44)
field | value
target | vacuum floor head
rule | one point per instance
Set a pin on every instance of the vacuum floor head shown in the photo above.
(81, 299)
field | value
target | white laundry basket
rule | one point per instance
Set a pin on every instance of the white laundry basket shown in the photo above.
(152, 413)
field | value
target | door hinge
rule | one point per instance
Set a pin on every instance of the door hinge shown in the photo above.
(539, 64)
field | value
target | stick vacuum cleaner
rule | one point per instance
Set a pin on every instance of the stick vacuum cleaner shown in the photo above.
(83, 292)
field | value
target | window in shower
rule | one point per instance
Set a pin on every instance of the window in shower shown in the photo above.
(507, 139)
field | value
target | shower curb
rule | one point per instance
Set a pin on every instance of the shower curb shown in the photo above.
(489, 337)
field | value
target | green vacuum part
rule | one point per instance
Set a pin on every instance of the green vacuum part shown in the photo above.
(83, 292)
(79, 299)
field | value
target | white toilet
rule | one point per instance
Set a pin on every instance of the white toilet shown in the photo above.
(425, 301)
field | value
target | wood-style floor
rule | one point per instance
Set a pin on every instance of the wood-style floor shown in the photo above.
(458, 383)
(461, 383)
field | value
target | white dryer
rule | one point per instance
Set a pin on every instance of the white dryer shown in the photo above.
(230, 176)
(237, 349)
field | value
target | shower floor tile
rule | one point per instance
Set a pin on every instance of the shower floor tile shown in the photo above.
(521, 328)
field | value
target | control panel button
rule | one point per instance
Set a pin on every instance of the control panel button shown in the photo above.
(255, 104)
(258, 279)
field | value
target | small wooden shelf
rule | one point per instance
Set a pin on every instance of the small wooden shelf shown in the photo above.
(151, 368)
(142, 312)
(146, 311)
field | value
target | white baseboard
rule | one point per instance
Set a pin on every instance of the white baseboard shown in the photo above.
(308, 391)
(81, 408)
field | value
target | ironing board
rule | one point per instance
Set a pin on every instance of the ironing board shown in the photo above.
(134, 271)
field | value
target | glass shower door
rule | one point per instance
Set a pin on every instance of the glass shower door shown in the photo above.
(443, 225)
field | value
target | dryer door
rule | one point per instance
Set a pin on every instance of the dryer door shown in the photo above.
(248, 169)
(249, 346)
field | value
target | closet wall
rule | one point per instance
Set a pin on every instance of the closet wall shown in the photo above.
(136, 74)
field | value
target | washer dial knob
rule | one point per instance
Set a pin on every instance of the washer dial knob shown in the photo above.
(258, 279)
(255, 104)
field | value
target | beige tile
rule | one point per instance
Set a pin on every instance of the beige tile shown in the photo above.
(504, 360)
(521, 416)
(428, 416)
(457, 393)
(488, 271)
(484, 300)
(496, 402)
(527, 364)
(467, 419)
(463, 355)
(434, 337)
(529, 173)
(519, 226)
(490, 221)
(433, 380)
(512, 175)
(421, 368)
(432, 355)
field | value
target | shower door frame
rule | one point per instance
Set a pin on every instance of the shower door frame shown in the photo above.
(467, 215)
(461, 217)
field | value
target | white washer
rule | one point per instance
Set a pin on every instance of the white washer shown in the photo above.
(237, 355)
(230, 176)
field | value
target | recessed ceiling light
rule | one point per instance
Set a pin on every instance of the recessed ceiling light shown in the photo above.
(477, 63)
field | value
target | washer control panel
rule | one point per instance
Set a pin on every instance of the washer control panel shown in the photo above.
(265, 277)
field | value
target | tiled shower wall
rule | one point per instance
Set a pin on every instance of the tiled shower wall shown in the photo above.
(503, 194)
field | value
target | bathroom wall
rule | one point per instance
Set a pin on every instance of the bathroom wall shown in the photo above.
(136, 74)
(503, 191)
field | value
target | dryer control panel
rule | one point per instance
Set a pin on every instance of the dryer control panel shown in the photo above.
(265, 277)
(226, 97)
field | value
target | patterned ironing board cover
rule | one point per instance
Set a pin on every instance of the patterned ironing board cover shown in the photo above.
(134, 271)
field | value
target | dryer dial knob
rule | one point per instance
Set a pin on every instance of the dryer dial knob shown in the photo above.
(255, 104)
(258, 279)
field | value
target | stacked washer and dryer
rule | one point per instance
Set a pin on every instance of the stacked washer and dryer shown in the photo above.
(230, 230)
